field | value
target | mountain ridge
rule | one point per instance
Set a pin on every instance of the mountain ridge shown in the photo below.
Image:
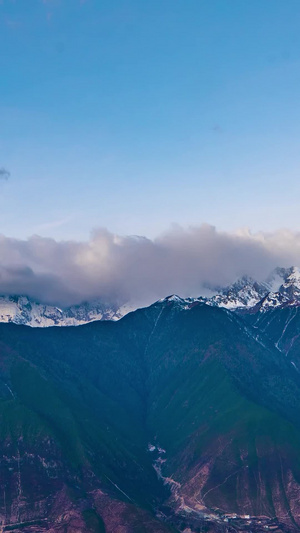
(166, 417)
(280, 289)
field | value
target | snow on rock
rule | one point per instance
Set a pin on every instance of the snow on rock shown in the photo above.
(280, 289)
(245, 292)
(287, 294)
(21, 310)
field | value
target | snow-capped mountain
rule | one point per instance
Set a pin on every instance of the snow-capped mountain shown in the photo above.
(288, 293)
(184, 303)
(280, 289)
(245, 292)
(22, 310)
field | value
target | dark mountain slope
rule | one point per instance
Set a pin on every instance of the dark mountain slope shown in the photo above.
(218, 406)
(282, 327)
(54, 414)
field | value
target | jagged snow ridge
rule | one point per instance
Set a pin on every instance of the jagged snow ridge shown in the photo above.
(282, 288)
(287, 294)
(21, 310)
(245, 292)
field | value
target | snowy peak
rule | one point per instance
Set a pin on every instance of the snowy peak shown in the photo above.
(22, 310)
(280, 289)
(172, 298)
(292, 280)
(288, 293)
(245, 292)
(277, 277)
(182, 303)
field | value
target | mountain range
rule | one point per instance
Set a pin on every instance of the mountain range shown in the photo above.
(281, 288)
(180, 417)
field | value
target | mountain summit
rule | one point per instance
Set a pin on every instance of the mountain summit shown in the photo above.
(288, 293)
(281, 288)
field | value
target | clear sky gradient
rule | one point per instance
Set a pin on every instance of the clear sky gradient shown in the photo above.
(134, 115)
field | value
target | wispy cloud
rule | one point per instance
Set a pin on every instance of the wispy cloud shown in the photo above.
(57, 223)
(4, 174)
(129, 268)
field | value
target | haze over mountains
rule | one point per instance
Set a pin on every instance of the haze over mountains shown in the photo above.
(116, 269)
(281, 287)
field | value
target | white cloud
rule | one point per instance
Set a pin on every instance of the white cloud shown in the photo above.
(137, 269)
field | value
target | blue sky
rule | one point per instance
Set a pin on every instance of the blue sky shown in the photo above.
(135, 115)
